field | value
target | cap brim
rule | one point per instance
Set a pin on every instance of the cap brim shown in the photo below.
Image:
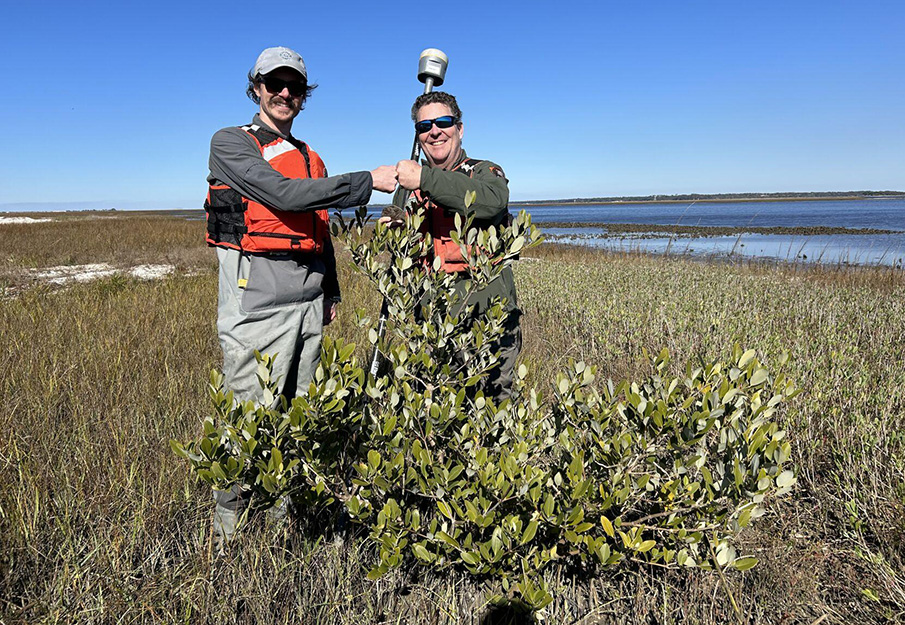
(266, 69)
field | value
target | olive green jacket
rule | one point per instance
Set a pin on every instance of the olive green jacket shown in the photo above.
(447, 189)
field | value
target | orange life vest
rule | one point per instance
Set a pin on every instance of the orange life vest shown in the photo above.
(241, 223)
(440, 222)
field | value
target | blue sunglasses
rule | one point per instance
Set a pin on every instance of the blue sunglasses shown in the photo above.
(442, 122)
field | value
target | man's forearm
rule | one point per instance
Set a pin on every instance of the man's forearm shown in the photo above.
(236, 161)
(293, 194)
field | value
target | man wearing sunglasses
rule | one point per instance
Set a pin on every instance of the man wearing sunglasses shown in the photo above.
(439, 186)
(267, 217)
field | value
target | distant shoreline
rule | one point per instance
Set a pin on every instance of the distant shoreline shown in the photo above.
(898, 195)
(710, 199)
(689, 198)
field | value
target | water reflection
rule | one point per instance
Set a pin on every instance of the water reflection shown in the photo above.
(886, 250)
(888, 214)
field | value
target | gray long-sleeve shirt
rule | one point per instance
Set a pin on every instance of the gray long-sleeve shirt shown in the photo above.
(236, 161)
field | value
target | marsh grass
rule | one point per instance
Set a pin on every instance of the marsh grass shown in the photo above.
(101, 523)
(120, 239)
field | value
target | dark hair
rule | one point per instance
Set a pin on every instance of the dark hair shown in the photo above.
(436, 97)
(257, 79)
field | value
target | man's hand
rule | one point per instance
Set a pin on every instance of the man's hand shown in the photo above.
(384, 178)
(392, 217)
(329, 311)
(409, 174)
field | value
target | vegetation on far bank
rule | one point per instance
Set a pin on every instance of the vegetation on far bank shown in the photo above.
(781, 196)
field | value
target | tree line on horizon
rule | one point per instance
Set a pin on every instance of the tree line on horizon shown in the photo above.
(720, 196)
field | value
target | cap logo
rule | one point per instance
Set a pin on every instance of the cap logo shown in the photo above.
(285, 55)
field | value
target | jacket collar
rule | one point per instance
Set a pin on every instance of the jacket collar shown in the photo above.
(462, 157)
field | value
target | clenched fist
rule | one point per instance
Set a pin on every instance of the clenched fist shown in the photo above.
(384, 178)
(409, 174)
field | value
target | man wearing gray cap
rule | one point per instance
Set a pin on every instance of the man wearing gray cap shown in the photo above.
(267, 216)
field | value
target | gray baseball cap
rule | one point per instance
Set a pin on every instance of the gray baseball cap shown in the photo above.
(272, 58)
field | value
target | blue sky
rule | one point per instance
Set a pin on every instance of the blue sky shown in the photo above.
(114, 105)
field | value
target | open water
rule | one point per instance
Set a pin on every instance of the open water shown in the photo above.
(855, 249)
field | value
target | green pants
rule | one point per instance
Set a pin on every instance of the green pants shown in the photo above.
(498, 384)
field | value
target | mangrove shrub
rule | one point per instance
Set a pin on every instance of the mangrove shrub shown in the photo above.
(665, 470)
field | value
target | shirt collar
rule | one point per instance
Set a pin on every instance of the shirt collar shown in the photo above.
(257, 121)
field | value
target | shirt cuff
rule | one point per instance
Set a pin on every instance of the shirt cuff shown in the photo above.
(360, 185)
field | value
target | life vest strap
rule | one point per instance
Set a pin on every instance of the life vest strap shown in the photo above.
(238, 207)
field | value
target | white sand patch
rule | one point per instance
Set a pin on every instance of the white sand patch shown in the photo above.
(22, 220)
(152, 272)
(85, 273)
(75, 273)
